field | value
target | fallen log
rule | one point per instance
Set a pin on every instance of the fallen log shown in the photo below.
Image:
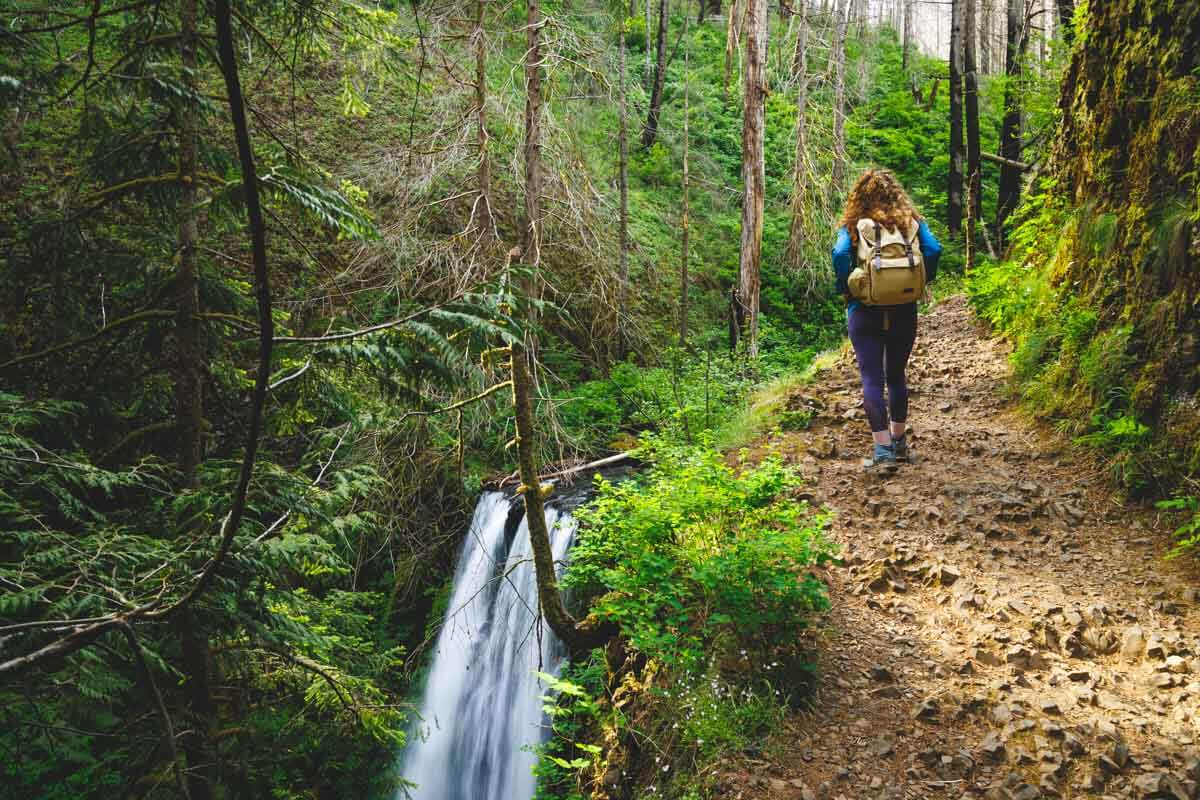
(566, 474)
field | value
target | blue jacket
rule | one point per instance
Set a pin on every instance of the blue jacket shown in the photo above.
(843, 259)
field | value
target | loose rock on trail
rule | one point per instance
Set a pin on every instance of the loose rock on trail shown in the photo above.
(1003, 626)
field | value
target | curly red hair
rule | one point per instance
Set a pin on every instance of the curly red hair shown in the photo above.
(878, 195)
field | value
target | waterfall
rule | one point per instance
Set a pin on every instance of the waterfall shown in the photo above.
(482, 709)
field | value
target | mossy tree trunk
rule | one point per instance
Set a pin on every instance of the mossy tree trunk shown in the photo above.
(577, 636)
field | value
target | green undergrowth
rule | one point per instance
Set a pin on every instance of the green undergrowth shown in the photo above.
(1067, 367)
(1079, 360)
(707, 569)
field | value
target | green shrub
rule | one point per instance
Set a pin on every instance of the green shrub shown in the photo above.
(1188, 533)
(696, 550)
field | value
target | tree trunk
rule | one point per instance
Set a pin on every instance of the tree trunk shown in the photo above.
(987, 11)
(838, 176)
(1011, 127)
(971, 102)
(971, 96)
(860, 84)
(685, 222)
(531, 244)
(483, 177)
(577, 637)
(908, 14)
(753, 174)
(189, 411)
(648, 74)
(954, 195)
(623, 186)
(732, 28)
(660, 73)
(195, 664)
(800, 173)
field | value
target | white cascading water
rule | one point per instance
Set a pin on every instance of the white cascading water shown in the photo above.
(482, 707)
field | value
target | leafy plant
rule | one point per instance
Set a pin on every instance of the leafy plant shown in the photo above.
(1188, 533)
(696, 550)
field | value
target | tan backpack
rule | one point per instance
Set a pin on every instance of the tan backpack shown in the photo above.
(890, 268)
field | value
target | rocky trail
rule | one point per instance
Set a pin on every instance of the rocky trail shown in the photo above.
(1003, 627)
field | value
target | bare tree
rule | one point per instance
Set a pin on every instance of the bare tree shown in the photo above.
(732, 35)
(954, 195)
(838, 175)
(753, 169)
(802, 169)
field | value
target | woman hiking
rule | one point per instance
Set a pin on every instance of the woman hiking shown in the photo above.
(884, 255)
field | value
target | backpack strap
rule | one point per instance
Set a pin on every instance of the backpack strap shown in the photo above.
(908, 250)
(877, 258)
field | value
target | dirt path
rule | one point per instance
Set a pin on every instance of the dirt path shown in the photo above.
(1004, 628)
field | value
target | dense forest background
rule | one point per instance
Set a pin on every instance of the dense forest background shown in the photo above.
(267, 278)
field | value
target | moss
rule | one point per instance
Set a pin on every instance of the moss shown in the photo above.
(1100, 291)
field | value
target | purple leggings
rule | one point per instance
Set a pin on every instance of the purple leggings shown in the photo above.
(883, 339)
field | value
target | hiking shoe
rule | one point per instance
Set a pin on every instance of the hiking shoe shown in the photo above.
(900, 446)
(883, 459)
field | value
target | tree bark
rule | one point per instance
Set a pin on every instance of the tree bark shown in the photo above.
(189, 411)
(908, 14)
(623, 186)
(800, 174)
(648, 74)
(987, 12)
(577, 637)
(195, 664)
(1011, 127)
(685, 222)
(971, 103)
(954, 194)
(650, 132)
(732, 28)
(838, 176)
(753, 169)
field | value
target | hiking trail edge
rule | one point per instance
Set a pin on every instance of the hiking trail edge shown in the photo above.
(1003, 626)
